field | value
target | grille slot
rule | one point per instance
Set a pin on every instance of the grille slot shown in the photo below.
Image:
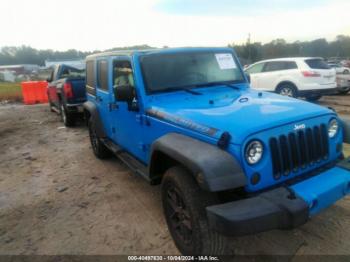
(297, 150)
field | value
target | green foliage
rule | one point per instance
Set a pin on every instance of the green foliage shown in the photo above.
(252, 52)
(249, 52)
(11, 55)
(10, 91)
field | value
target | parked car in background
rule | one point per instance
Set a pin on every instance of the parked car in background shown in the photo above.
(343, 84)
(340, 69)
(66, 92)
(345, 63)
(307, 77)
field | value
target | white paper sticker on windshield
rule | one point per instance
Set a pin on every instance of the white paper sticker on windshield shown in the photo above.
(225, 61)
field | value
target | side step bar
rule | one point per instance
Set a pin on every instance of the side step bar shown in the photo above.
(134, 164)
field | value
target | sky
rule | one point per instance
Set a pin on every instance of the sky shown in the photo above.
(99, 25)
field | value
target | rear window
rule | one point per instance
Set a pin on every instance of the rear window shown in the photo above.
(71, 72)
(316, 64)
(102, 78)
(90, 78)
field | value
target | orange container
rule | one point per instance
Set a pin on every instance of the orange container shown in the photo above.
(34, 92)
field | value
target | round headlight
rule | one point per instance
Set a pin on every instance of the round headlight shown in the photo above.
(333, 128)
(253, 152)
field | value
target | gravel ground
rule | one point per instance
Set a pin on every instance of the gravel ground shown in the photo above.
(56, 198)
(340, 103)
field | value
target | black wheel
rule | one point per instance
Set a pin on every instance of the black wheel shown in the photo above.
(346, 72)
(99, 149)
(287, 89)
(313, 98)
(344, 92)
(184, 204)
(67, 118)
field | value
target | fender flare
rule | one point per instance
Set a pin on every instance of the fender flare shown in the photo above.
(213, 168)
(95, 118)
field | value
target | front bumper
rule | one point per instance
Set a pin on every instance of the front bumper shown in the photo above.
(75, 108)
(283, 207)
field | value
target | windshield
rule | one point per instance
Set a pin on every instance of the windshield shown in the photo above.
(167, 72)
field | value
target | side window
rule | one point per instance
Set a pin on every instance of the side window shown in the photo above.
(290, 65)
(90, 77)
(274, 66)
(102, 71)
(122, 74)
(255, 68)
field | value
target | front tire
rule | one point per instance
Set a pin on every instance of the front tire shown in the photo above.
(184, 204)
(344, 92)
(99, 149)
(287, 90)
(346, 72)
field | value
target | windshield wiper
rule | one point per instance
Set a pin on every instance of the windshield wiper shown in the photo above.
(187, 89)
(217, 84)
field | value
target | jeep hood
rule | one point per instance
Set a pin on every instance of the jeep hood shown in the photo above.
(241, 113)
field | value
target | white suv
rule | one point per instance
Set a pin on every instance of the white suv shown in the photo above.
(307, 77)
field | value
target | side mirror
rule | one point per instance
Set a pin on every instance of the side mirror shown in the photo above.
(124, 93)
(49, 79)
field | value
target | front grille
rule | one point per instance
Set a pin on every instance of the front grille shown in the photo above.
(298, 150)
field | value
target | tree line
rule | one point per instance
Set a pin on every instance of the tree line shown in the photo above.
(12, 55)
(248, 52)
(252, 52)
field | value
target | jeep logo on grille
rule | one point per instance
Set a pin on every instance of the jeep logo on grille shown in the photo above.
(298, 127)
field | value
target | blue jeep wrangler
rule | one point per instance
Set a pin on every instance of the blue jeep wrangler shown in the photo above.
(232, 161)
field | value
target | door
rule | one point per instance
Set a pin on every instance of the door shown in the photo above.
(271, 74)
(103, 96)
(52, 89)
(254, 74)
(126, 117)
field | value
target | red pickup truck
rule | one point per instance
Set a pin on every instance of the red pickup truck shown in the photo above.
(66, 92)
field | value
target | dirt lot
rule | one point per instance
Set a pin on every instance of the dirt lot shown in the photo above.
(340, 103)
(56, 198)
